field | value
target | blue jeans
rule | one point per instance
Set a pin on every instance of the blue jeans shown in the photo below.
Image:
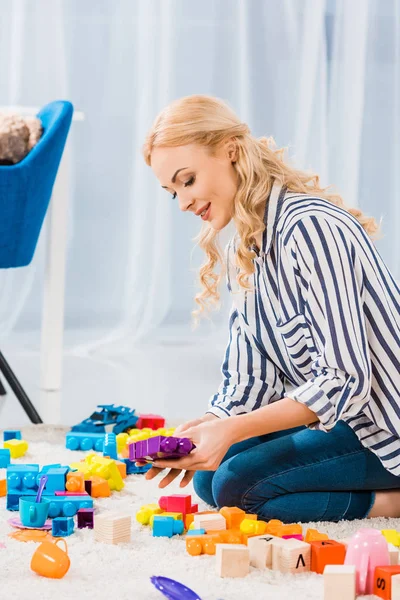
(298, 475)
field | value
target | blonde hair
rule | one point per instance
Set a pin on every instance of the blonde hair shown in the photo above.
(209, 122)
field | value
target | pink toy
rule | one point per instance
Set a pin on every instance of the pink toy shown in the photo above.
(366, 550)
(16, 522)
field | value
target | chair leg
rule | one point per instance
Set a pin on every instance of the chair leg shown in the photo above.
(3, 390)
(19, 391)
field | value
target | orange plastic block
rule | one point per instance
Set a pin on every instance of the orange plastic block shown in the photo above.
(313, 535)
(273, 527)
(121, 466)
(291, 529)
(383, 581)
(75, 482)
(233, 515)
(202, 544)
(189, 518)
(100, 487)
(3, 487)
(230, 536)
(326, 552)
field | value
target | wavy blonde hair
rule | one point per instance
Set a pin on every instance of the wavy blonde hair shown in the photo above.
(210, 122)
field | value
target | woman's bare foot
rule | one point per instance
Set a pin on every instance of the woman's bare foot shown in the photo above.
(387, 504)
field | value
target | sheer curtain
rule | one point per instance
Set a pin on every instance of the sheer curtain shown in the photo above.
(321, 76)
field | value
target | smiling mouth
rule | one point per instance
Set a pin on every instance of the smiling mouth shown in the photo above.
(205, 212)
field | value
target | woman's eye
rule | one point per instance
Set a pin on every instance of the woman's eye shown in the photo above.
(189, 182)
(174, 196)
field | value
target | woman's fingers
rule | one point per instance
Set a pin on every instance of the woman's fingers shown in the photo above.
(173, 474)
(153, 472)
(187, 478)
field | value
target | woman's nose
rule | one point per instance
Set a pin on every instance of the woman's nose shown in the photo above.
(185, 203)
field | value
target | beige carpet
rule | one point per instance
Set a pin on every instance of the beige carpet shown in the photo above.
(99, 571)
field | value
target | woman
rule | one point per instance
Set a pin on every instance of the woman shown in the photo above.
(314, 306)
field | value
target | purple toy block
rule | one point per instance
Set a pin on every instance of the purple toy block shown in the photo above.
(85, 518)
(160, 447)
(88, 486)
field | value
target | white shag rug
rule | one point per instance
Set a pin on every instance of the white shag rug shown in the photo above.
(101, 571)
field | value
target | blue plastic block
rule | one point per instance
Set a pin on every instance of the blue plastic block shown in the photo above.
(56, 479)
(13, 501)
(5, 458)
(76, 440)
(12, 434)
(166, 526)
(110, 446)
(22, 479)
(62, 526)
(131, 468)
(67, 506)
(195, 532)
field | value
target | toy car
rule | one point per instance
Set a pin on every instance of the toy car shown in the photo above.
(108, 419)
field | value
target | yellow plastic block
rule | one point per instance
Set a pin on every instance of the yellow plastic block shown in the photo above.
(313, 535)
(17, 448)
(391, 536)
(121, 441)
(106, 468)
(146, 512)
(253, 527)
(175, 515)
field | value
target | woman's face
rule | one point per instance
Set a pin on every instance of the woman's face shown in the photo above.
(203, 184)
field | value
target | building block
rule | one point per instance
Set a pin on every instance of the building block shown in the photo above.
(88, 487)
(227, 536)
(340, 582)
(22, 479)
(166, 526)
(197, 532)
(146, 512)
(326, 552)
(274, 527)
(233, 516)
(3, 487)
(260, 548)
(393, 554)
(75, 482)
(174, 515)
(106, 468)
(207, 522)
(151, 421)
(383, 581)
(62, 526)
(291, 556)
(56, 481)
(189, 518)
(99, 487)
(202, 544)
(176, 503)
(313, 535)
(84, 441)
(391, 536)
(253, 527)
(395, 587)
(121, 466)
(132, 469)
(67, 506)
(85, 518)
(112, 528)
(66, 493)
(16, 447)
(293, 528)
(121, 438)
(110, 446)
(293, 536)
(232, 560)
(160, 447)
(5, 458)
(11, 434)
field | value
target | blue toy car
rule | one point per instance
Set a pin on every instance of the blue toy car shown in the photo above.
(108, 419)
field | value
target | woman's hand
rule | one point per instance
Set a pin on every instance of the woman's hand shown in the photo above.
(181, 431)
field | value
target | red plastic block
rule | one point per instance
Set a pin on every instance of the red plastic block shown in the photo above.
(326, 552)
(383, 581)
(181, 503)
(152, 421)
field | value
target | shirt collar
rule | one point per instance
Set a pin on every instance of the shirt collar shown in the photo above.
(272, 211)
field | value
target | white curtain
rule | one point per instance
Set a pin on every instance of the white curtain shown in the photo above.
(322, 77)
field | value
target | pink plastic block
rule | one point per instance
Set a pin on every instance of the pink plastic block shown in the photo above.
(181, 503)
(65, 493)
(366, 550)
(296, 536)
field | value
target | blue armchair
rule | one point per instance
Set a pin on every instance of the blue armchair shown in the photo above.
(25, 192)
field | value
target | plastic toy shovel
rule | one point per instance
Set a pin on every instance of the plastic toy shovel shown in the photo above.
(43, 481)
(173, 590)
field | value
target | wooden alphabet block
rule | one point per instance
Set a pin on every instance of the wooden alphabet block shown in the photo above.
(383, 581)
(209, 522)
(260, 548)
(394, 554)
(396, 587)
(291, 556)
(232, 560)
(326, 552)
(340, 582)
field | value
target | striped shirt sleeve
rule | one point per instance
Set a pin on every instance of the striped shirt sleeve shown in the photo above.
(250, 378)
(329, 272)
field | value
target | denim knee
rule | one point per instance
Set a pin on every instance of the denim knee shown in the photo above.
(202, 483)
(227, 487)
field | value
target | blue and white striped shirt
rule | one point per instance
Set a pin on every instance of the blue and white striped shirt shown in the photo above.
(324, 318)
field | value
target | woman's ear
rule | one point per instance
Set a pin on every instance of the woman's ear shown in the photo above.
(231, 149)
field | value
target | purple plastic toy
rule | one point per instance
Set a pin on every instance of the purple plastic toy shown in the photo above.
(85, 518)
(160, 447)
(173, 589)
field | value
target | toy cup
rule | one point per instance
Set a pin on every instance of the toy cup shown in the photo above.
(366, 550)
(32, 513)
(49, 560)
